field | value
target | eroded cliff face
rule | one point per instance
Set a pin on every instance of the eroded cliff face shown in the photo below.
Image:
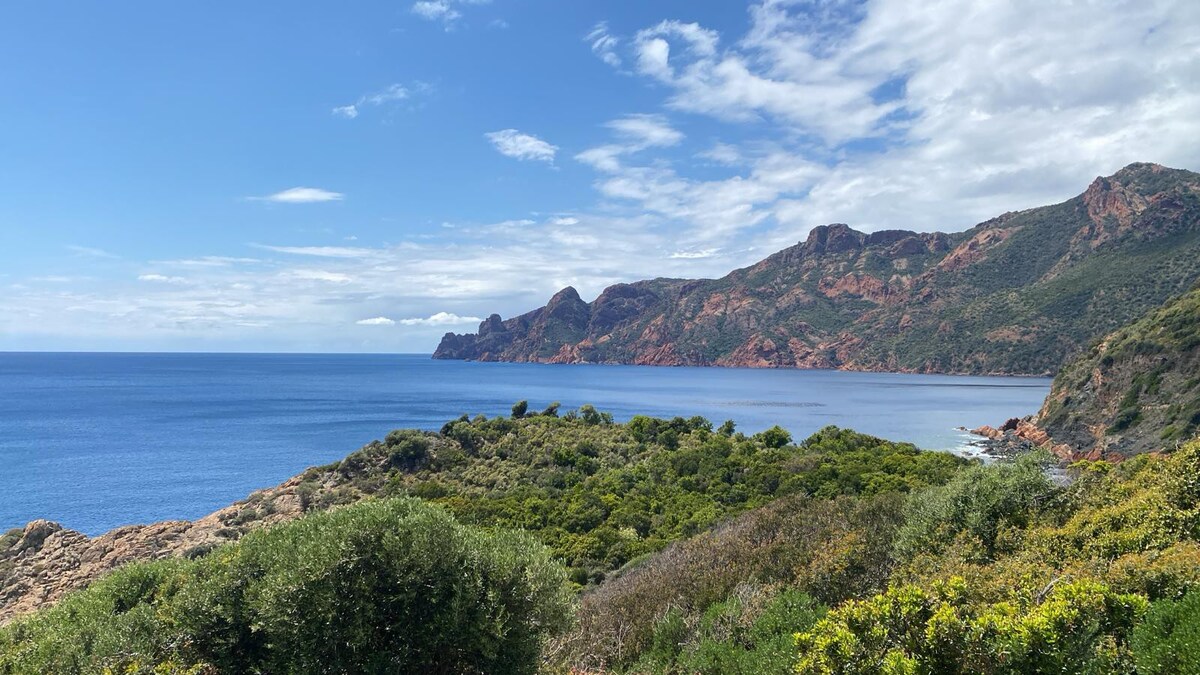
(1017, 294)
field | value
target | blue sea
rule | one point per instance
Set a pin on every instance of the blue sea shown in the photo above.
(95, 441)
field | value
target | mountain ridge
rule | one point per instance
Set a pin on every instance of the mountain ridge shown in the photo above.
(1014, 295)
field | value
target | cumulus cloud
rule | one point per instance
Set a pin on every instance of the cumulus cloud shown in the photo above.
(884, 118)
(442, 319)
(302, 195)
(376, 321)
(513, 143)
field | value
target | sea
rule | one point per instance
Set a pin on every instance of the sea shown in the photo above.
(94, 441)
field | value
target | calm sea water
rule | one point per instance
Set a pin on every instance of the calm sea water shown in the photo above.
(100, 440)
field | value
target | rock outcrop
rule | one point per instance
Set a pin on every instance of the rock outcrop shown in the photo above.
(44, 561)
(1017, 294)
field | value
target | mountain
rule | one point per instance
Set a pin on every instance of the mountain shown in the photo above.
(1017, 294)
(1136, 390)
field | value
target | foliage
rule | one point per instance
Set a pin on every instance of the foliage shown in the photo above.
(694, 551)
(381, 586)
(829, 549)
(1167, 642)
(1079, 627)
(979, 503)
(601, 494)
(749, 634)
(1136, 390)
(997, 566)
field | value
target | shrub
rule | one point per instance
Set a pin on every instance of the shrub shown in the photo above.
(978, 502)
(1078, 627)
(775, 437)
(1167, 642)
(381, 586)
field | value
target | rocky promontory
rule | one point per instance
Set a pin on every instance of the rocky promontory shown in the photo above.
(1018, 294)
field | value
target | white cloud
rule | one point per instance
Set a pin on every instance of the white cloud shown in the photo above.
(885, 118)
(442, 319)
(393, 92)
(695, 255)
(645, 131)
(513, 143)
(319, 275)
(302, 195)
(604, 44)
(161, 278)
(377, 321)
(634, 134)
(389, 94)
(435, 10)
(208, 261)
(445, 11)
(722, 153)
(321, 251)
(90, 252)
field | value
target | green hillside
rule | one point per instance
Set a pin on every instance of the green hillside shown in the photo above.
(1136, 390)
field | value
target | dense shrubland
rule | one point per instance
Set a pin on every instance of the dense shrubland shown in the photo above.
(679, 548)
(601, 494)
(999, 570)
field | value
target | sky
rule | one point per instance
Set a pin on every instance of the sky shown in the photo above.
(363, 177)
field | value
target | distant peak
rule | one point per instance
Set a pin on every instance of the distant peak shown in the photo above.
(1139, 167)
(833, 238)
(567, 294)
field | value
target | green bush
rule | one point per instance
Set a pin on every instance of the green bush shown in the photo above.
(381, 586)
(979, 502)
(1167, 642)
(1078, 627)
(735, 637)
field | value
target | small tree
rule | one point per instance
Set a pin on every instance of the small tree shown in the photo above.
(519, 409)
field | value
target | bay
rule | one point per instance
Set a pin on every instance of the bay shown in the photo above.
(95, 441)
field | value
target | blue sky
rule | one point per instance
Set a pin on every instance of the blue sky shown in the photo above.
(314, 177)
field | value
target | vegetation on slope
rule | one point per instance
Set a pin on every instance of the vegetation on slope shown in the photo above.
(598, 493)
(997, 571)
(382, 586)
(1136, 390)
(601, 494)
(873, 558)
